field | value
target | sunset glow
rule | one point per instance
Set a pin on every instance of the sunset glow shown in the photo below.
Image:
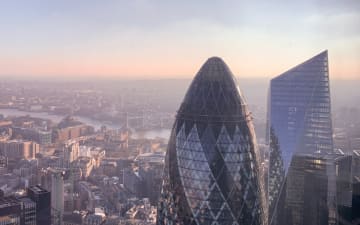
(146, 39)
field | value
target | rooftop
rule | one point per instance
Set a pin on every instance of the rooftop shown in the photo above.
(38, 189)
(8, 202)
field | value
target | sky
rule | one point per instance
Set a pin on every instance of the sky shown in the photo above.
(172, 39)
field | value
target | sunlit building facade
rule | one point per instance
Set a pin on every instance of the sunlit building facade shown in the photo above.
(299, 118)
(212, 171)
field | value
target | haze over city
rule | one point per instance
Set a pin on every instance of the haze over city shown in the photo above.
(144, 112)
(168, 39)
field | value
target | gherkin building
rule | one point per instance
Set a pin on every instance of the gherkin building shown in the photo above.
(211, 173)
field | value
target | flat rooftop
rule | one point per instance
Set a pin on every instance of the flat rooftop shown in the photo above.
(38, 189)
(8, 201)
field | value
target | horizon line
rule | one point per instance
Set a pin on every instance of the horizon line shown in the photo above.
(135, 78)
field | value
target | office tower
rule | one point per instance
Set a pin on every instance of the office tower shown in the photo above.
(10, 211)
(351, 214)
(42, 198)
(356, 201)
(43, 137)
(308, 198)
(299, 118)
(343, 170)
(28, 211)
(306, 191)
(211, 171)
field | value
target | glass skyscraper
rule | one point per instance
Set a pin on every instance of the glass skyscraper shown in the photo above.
(212, 171)
(299, 122)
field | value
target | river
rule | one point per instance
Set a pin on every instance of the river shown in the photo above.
(162, 133)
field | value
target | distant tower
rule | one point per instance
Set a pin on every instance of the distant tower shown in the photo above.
(71, 152)
(121, 100)
(212, 171)
(57, 194)
(143, 119)
(126, 120)
(3, 164)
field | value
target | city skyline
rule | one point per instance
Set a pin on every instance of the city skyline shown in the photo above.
(152, 40)
(107, 119)
(113, 146)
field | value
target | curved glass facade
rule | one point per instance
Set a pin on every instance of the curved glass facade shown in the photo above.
(299, 121)
(211, 171)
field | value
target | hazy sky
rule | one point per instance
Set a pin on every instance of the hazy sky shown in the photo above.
(172, 38)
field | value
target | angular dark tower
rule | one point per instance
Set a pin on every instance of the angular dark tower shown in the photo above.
(300, 109)
(299, 118)
(212, 171)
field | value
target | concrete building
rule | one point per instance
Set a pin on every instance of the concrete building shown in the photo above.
(69, 128)
(16, 150)
(57, 194)
(19, 149)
